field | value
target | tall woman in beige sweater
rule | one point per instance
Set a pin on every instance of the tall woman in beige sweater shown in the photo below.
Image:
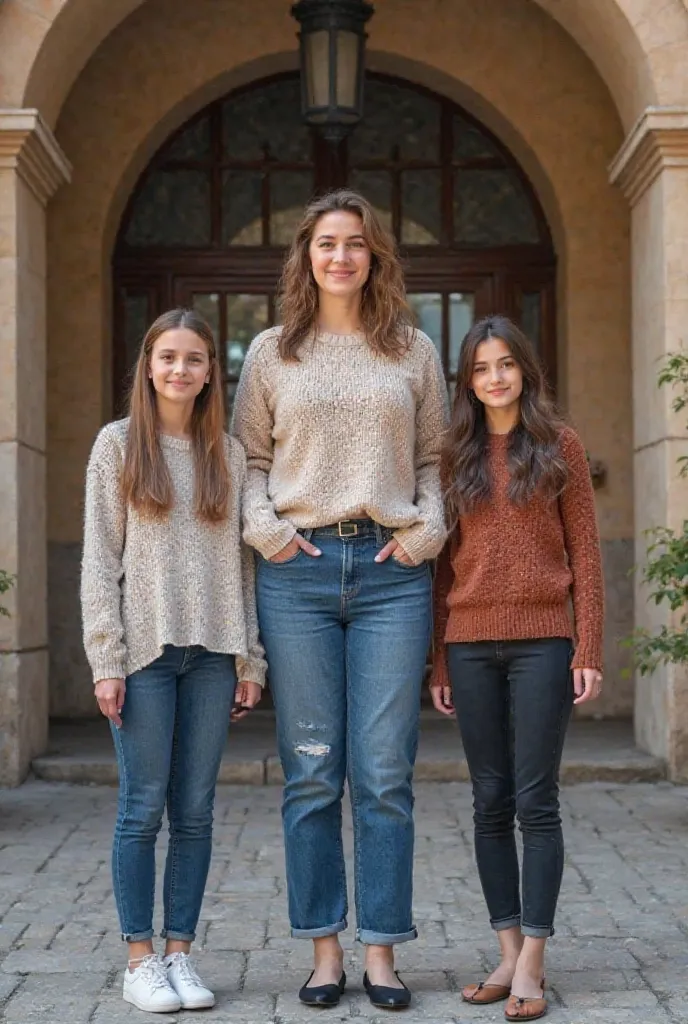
(169, 623)
(342, 413)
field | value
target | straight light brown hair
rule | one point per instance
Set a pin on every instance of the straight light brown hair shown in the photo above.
(146, 483)
(385, 314)
(536, 464)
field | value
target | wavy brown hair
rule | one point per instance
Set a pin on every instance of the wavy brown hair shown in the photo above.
(534, 457)
(385, 314)
(145, 482)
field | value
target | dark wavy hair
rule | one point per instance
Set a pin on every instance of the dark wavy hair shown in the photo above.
(535, 461)
(385, 314)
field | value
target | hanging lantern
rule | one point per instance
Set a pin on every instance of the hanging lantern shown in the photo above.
(332, 43)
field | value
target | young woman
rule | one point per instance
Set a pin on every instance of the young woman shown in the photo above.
(169, 610)
(523, 542)
(342, 413)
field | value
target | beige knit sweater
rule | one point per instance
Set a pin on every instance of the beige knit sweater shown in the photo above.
(340, 434)
(146, 584)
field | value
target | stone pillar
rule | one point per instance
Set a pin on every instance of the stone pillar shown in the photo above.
(652, 170)
(32, 166)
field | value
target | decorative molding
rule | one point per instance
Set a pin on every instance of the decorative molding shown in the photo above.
(28, 147)
(659, 139)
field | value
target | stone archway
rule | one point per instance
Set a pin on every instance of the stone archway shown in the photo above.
(637, 57)
(106, 111)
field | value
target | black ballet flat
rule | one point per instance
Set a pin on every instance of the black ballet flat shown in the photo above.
(323, 995)
(387, 998)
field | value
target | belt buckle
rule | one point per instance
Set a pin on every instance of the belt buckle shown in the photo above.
(346, 528)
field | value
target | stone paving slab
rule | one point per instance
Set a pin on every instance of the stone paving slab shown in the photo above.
(596, 751)
(619, 956)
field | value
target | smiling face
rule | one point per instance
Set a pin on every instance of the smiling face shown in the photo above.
(497, 379)
(179, 365)
(340, 256)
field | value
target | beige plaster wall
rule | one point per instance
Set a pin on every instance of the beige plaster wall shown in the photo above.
(638, 46)
(167, 60)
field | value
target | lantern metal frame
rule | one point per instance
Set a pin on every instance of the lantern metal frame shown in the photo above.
(334, 119)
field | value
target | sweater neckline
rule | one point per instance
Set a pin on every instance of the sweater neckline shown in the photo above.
(181, 444)
(339, 340)
(499, 440)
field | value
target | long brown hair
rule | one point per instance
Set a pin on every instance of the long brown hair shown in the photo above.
(146, 483)
(386, 317)
(534, 457)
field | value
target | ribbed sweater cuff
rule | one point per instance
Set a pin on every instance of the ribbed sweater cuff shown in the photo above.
(250, 671)
(269, 543)
(588, 654)
(108, 670)
(419, 542)
(439, 675)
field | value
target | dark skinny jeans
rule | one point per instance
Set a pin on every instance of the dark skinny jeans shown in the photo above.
(513, 700)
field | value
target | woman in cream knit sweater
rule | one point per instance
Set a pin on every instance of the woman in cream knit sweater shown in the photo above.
(342, 413)
(169, 611)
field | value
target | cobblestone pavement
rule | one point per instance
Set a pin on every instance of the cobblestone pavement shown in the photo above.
(620, 952)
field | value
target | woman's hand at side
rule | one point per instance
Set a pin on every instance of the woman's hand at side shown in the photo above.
(587, 684)
(292, 548)
(110, 696)
(245, 699)
(442, 698)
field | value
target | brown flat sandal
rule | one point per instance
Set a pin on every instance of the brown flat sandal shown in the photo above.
(484, 993)
(526, 1008)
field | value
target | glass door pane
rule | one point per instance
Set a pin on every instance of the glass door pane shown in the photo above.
(246, 316)
(427, 307)
(461, 318)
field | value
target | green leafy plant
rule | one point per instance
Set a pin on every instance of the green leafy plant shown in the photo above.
(6, 581)
(666, 569)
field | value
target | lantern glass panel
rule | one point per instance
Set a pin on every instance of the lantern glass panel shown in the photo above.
(347, 67)
(317, 54)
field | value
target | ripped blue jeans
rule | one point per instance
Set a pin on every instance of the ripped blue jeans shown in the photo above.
(346, 641)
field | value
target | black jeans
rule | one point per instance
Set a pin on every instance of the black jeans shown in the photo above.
(513, 700)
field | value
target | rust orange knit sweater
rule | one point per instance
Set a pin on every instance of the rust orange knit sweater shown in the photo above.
(508, 572)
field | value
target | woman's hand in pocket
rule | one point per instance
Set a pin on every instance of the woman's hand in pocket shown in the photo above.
(110, 696)
(292, 549)
(394, 549)
(246, 697)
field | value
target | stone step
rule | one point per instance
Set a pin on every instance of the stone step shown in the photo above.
(595, 751)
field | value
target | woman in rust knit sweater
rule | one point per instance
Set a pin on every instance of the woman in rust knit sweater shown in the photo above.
(523, 545)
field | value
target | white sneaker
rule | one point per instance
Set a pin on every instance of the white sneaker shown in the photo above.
(183, 978)
(148, 987)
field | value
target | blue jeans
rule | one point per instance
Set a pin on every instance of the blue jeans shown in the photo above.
(346, 640)
(174, 727)
(513, 701)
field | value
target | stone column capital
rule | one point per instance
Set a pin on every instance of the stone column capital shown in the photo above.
(658, 140)
(28, 147)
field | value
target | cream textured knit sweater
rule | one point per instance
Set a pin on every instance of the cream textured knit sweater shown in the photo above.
(340, 434)
(146, 584)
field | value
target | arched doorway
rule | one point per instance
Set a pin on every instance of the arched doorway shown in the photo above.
(209, 220)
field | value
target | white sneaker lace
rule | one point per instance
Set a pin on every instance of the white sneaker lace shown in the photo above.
(186, 969)
(152, 971)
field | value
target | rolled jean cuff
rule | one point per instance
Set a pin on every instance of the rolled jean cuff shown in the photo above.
(536, 933)
(168, 933)
(369, 938)
(318, 933)
(138, 936)
(506, 922)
